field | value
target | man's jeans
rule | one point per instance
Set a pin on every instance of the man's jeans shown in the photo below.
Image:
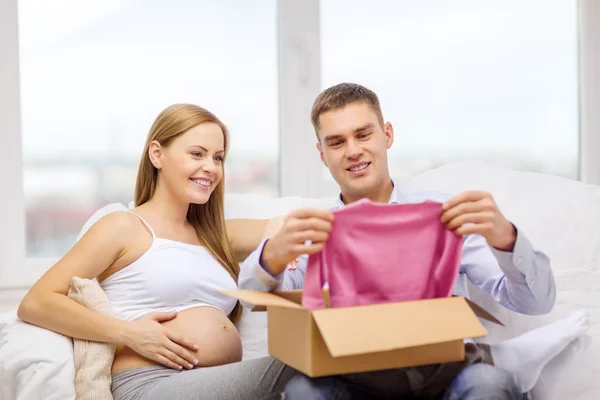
(483, 381)
(476, 381)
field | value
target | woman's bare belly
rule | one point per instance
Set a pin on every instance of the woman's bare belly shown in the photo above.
(217, 338)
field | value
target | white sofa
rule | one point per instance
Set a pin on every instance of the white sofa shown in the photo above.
(560, 216)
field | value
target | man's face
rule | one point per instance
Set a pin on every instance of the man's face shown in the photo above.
(353, 146)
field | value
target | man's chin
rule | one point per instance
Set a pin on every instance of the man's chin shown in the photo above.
(362, 181)
(358, 188)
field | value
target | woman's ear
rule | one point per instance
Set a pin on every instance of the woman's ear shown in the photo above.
(154, 152)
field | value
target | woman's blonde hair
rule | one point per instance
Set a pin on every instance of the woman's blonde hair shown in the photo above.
(207, 219)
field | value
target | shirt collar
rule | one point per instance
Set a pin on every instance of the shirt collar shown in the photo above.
(396, 197)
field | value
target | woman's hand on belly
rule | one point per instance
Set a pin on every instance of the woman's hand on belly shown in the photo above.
(218, 340)
(150, 338)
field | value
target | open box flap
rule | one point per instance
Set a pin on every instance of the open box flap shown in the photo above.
(481, 313)
(291, 295)
(296, 296)
(260, 299)
(383, 327)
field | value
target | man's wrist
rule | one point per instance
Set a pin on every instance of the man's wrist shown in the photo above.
(267, 259)
(511, 240)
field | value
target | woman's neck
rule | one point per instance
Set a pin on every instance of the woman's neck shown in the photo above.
(169, 209)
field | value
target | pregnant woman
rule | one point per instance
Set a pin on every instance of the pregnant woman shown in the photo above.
(161, 265)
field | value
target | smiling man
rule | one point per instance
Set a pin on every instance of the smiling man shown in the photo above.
(353, 140)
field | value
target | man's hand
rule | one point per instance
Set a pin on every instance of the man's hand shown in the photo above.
(300, 226)
(273, 226)
(477, 212)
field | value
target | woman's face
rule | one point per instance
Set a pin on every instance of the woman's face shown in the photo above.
(192, 165)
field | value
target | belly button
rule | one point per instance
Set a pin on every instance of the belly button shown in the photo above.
(224, 327)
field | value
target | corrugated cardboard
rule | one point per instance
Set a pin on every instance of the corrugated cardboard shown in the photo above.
(335, 341)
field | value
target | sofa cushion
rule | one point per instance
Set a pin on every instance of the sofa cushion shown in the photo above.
(35, 363)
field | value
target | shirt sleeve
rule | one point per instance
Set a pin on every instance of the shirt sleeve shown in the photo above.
(521, 280)
(254, 277)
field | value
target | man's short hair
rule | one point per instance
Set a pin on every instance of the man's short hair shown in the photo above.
(341, 95)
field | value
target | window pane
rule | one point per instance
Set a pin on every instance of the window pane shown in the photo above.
(94, 76)
(463, 79)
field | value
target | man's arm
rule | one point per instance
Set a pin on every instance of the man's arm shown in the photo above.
(301, 233)
(497, 257)
(520, 280)
(253, 276)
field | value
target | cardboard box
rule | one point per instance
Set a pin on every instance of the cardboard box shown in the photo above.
(335, 341)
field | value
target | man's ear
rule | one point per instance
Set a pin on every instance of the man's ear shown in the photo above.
(155, 153)
(388, 129)
(321, 153)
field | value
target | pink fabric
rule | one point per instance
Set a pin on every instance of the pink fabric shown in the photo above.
(380, 253)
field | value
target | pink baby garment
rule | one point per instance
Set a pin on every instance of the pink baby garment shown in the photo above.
(380, 253)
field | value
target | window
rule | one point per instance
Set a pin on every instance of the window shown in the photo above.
(95, 74)
(495, 81)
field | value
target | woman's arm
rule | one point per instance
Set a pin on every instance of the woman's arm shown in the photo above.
(47, 305)
(246, 235)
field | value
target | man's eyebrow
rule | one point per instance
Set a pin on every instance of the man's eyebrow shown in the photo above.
(331, 138)
(363, 128)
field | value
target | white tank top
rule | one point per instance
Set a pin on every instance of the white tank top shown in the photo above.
(169, 276)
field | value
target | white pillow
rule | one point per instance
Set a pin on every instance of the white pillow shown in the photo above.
(35, 363)
(7, 318)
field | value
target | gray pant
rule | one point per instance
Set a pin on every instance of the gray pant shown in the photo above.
(263, 378)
